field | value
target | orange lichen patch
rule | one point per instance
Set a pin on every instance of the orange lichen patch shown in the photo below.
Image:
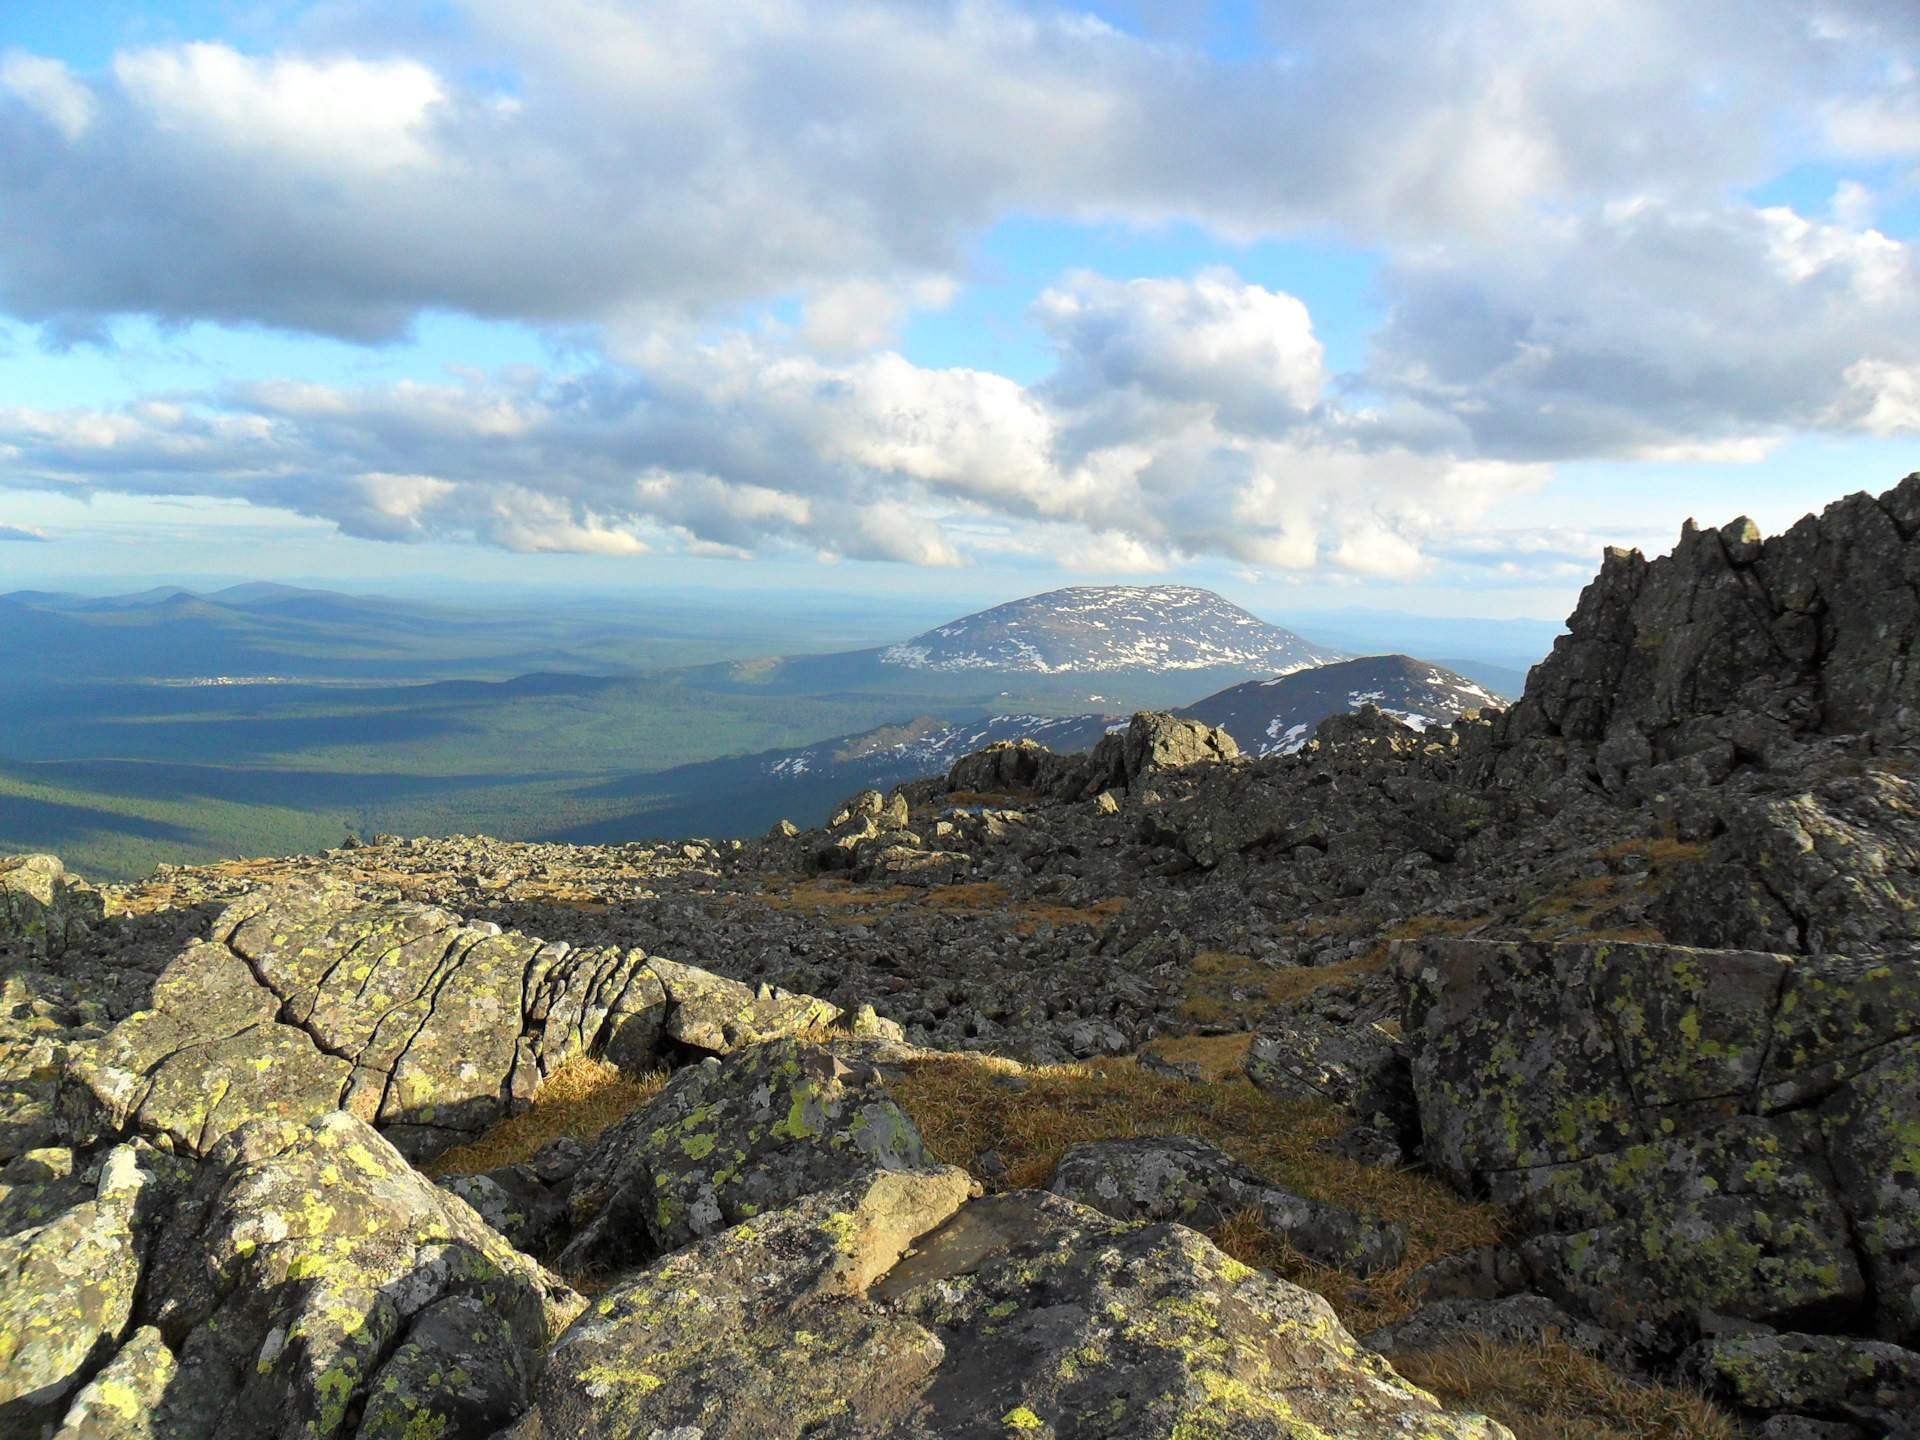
(1550, 1388)
(580, 1099)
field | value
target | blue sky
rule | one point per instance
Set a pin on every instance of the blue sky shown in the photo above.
(946, 299)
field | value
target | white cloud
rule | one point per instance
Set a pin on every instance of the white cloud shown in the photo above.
(621, 162)
(1655, 331)
(1185, 421)
(49, 89)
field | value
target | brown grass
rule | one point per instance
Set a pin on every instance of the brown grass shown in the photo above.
(965, 1105)
(1224, 986)
(1220, 1057)
(1551, 1391)
(581, 1098)
(844, 903)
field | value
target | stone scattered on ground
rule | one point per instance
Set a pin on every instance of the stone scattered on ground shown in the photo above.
(1634, 960)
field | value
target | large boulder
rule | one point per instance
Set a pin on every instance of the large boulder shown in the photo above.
(43, 909)
(311, 1278)
(1837, 1377)
(1020, 1314)
(1680, 1133)
(67, 1293)
(728, 1139)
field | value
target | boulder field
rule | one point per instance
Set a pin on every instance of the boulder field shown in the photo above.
(1629, 970)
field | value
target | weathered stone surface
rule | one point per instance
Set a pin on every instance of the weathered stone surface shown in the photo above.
(462, 1370)
(43, 909)
(1175, 1177)
(125, 1400)
(306, 1000)
(728, 1139)
(67, 1292)
(1800, 632)
(1872, 1131)
(207, 1057)
(1677, 1130)
(309, 1256)
(719, 1016)
(1824, 1376)
(515, 1201)
(1021, 1314)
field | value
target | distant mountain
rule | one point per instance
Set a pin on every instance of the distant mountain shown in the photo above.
(1096, 628)
(1278, 716)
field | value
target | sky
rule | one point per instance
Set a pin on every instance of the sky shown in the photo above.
(1403, 305)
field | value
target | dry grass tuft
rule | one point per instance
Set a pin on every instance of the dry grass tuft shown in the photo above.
(581, 1098)
(1220, 1057)
(1553, 1390)
(1224, 986)
(966, 1105)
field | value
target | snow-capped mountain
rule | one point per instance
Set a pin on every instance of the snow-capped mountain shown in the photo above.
(1092, 628)
(1278, 716)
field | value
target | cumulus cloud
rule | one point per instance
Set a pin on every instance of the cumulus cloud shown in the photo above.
(618, 162)
(1654, 331)
(1186, 419)
(21, 533)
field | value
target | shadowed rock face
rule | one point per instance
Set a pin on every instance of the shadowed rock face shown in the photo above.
(43, 910)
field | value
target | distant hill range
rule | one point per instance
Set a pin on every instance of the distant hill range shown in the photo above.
(178, 722)
(1266, 717)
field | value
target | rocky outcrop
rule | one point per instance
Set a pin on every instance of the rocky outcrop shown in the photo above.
(1175, 1177)
(1022, 1313)
(727, 1140)
(1680, 1132)
(428, 1028)
(43, 909)
(1152, 742)
(311, 1282)
(1739, 644)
